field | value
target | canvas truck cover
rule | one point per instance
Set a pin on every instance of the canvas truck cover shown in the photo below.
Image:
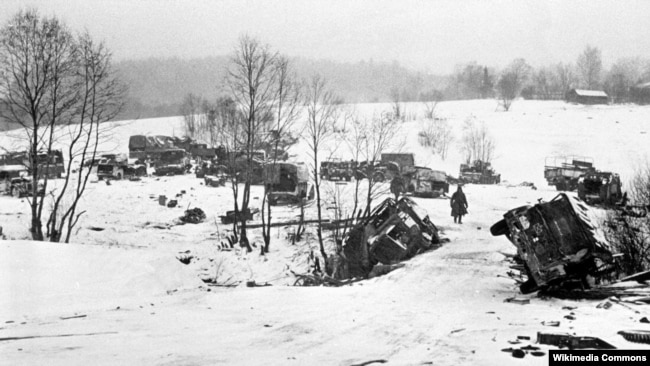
(299, 170)
(434, 175)
(142, 142)
(402, 160)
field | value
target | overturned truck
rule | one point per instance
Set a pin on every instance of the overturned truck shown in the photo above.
(394, 231)
(557, 243)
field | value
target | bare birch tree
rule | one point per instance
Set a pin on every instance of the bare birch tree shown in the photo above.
(287, 102)
(322, 114)
(50, 79)
(251, 80)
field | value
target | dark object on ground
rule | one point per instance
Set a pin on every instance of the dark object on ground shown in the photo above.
(162, 200)
(643, 320)
(193, 216)
(518, 353)
(636, 336)
(563, 340)
(172, 203)
(557, 243)
(369, 362)
(480, 172)
(248, 215)
(93, 228)
(393, 231)
(337, 170)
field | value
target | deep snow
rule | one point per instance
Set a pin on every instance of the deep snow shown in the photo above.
(122, 297)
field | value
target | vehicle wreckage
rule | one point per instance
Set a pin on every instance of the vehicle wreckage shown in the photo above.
(557, 244)
(394, 231)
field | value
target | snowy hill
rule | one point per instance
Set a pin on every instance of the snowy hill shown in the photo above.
(120, 296)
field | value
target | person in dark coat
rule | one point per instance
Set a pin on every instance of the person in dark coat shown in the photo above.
(458, 205)
(397, 186)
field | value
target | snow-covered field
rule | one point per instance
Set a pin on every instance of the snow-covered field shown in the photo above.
(118, 295)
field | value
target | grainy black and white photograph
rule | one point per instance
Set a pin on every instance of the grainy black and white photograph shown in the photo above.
(324, 182)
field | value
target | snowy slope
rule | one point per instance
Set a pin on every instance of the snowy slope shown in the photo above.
(445, 307)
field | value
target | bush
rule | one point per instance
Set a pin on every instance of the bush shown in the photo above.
(629, 229)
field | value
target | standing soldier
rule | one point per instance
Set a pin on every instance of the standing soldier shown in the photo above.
(458, 205)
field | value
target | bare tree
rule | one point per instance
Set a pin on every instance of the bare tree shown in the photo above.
(565, 77)
(590, 65)
(226, 132)
(50, 79)
(436, 134)
(477, 142)
(512, 81)
(322, 114)
(630, 232)
(379, 135)
(288, 100)
(191, 109)
(396, 99)
(251, 80)
(624, 74)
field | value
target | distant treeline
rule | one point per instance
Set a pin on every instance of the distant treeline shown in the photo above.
(157, 86)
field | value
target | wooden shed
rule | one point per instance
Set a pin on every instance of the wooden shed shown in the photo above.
(583, 96)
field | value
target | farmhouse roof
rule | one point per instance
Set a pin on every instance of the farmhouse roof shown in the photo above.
(591, 93)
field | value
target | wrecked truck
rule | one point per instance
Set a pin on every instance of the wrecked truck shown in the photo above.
(601, 188)
(557, 242)
(288, 183)
(394, 231)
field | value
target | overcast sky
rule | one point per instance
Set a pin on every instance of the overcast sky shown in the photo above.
(427, 35)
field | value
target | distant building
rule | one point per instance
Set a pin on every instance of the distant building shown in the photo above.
(640, 93)
(582, 96)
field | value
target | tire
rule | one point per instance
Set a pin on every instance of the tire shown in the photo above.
(15, 192)
(560, 186)
(348, 178)
(528, 287)
(636, 336)
(379, 177)
(500, 228)
(119, 176)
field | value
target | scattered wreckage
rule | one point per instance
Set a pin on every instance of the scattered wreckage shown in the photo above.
(557, 243)
(394, 231)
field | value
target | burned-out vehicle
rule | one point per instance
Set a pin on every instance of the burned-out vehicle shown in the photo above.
(394, 231)
(601, 188)
(479, 172)
(337, 170)
(557, 242)
(288, 183)
(117, 166)
(426, 182)
(563, 172)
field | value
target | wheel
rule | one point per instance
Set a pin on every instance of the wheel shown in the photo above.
(348, 178)
(119, 176)
(15, 192)
(379, 177)
(560, 186)
(500, 228)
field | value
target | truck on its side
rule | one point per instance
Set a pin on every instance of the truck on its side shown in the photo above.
(558, 242)
(563, 172)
